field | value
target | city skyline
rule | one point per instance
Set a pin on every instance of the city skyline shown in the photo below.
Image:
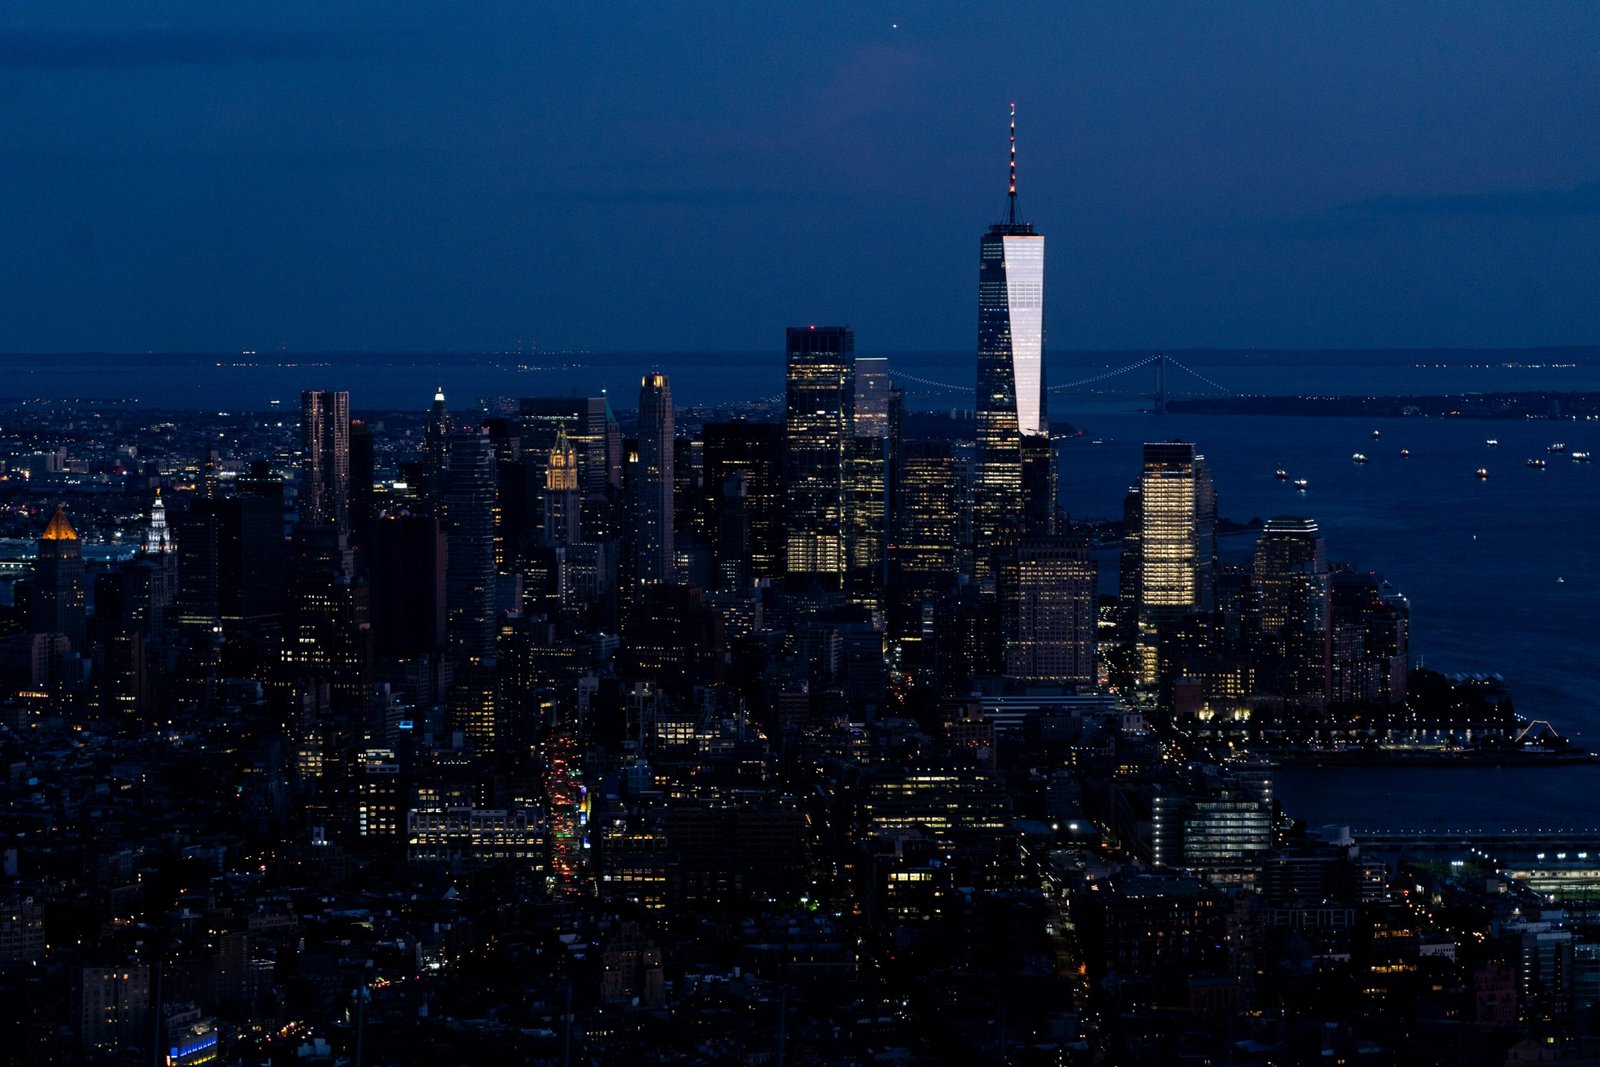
(934, 694)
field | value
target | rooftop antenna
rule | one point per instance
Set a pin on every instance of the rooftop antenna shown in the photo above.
(1013, 194)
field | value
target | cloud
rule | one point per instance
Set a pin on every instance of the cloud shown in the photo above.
(109, 48)
(726, 197)
(1582, 200)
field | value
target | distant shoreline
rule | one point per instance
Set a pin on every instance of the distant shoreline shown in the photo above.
(1540, 405)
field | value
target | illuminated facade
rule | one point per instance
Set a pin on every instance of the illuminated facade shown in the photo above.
(866, 516)
(820, 398)
(58, 582)
(924, 551)
(1049, 597)
(436, 449)
(1289, 578)
(1177, 544)
(561, 493)
(1011, 389)
(325, 459)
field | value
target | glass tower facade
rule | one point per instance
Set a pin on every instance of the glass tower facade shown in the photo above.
(820, 398)
(1011, 389)
(325, 458)
(1177, 544)
(653, 507)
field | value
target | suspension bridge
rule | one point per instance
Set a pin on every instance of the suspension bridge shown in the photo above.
(1156, 366)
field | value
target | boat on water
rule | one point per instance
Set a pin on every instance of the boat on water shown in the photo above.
(1301, 484)
(1558, 447)
(1376, 434)
(1483, 472)
(1537, 464)
(1582, 457)
(1491, 442)
(1280, 474)
(1358, 458)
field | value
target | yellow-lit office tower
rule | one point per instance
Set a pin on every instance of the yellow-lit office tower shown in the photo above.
(1177, 545)
(820, 397)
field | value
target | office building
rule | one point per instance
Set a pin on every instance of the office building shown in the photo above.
(819, 400)
(753, 451)
(924, 552)
(1177, 545)
(866, 519)
(870, 417)
(1048, 602)
(560, 510)
(58, 586)
(469, 511)
(408, 586)
(1011, 387)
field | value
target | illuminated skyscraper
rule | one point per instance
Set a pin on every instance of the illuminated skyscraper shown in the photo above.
(1289, 579)
(1011, 396)
(325, 459)
(160, 550)
(561, 493)
(435, 449)
(870, 417)
(58, 605)
(1048, 601)
(820, 398)
(653, 489)
(1177, 544)
(924, 551)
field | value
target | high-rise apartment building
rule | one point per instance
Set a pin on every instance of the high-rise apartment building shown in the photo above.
(325, 459)
(1011, 389)
(1292, 634)
(819, 399)
(1177, 544)
(653, 541)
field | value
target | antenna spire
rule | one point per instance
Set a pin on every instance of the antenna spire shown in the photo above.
(1013, 193)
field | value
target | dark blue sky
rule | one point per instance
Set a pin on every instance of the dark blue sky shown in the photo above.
(686, 175)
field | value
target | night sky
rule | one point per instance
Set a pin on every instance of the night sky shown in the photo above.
(686, 175)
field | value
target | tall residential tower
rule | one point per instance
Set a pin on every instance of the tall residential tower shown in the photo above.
(325, 459)
(653, 506)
